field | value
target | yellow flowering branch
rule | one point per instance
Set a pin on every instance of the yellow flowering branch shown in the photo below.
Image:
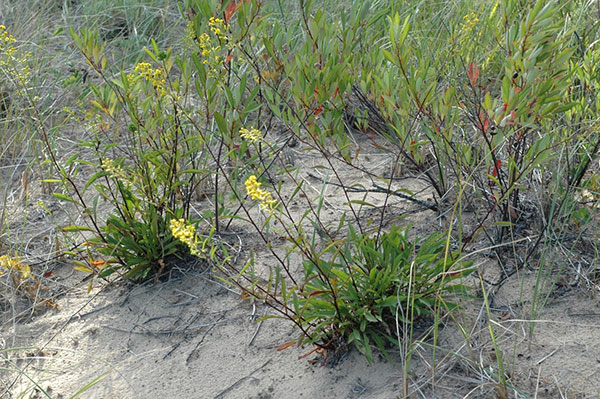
(258, 194)
(253, 135)
(154, 76)
(186, 233)
(12, 60)
(211, 43)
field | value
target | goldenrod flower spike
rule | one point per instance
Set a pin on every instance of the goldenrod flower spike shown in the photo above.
(114, 170)
(253, 135)
(12, 60)
(210, 43)
(186, 233)
(154, 76)
(261, 196)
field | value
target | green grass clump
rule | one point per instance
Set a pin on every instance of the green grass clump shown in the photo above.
(374, 284)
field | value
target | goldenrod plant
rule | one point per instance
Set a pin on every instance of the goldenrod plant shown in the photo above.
(150, 172)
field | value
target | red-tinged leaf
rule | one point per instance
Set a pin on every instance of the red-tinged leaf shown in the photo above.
(285, 346)
(228, 59)
(318, 110)
(318, 292)
(231, 9)
(382, 100)
(470, 71)
(336, 92)
(473, 73)
(486, 124)
(229, 12)
(497, 168)
(437, 129)
(48, 273)
(452, 274)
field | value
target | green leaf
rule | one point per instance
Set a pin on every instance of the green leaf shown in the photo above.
(89, 385)
(359, 202)
(93, 178)
(221, 123)
(73, 228)
(63, 197)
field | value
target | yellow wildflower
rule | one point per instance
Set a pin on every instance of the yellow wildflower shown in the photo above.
(15, 263)
(210, 43)
(154, 76)
(253, 135)
(470, 21)
(12, 60)
(186, 233)
(258, 194)
(494, 8)
(115, 171)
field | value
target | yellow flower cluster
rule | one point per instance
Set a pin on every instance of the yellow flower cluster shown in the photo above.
(15, 263)
(211, 43)
(217, 26)
(13, 60)
(154, 76)
(115, 171)
(5, 37)
(469, 23)
(253, 135)
(186, 233)
(258, 194)
(494, 8)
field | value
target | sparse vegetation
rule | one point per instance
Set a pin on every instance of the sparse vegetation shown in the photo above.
(397, 163)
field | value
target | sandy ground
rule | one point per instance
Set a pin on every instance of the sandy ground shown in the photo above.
(185, 338)
(191, 336)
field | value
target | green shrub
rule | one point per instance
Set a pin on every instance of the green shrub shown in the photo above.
(144, 161)
(372, 283)
(160, 134)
